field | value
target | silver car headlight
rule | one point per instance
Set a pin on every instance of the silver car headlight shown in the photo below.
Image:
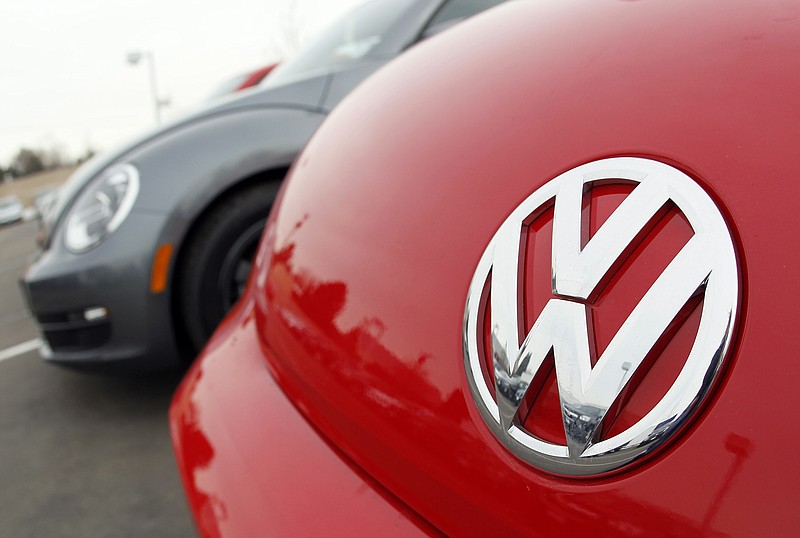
(101, 207)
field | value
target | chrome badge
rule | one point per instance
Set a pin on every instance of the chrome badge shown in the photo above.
(589, 392)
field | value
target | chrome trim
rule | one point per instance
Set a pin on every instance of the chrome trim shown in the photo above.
(707, 262)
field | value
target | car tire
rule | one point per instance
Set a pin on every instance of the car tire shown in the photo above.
(217, 260)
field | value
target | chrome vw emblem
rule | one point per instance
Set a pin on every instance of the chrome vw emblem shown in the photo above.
(705, 265)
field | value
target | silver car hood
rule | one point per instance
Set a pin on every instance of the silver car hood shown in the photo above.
(303, 94)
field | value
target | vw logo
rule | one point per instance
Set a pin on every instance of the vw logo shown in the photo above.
(589, 387)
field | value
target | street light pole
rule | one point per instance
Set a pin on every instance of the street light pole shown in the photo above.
(134, 57)
(154, 87)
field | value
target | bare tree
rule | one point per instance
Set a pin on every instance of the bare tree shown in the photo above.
(54, 157)
(27, 161)
(32, 160)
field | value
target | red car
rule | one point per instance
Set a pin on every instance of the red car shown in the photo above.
(546, 289)
(242, 81)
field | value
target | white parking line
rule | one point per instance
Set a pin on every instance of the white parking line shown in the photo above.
(19, 349)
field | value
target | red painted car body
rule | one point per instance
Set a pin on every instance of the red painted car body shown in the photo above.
(243, 81)
(334, 399)
(256, 76)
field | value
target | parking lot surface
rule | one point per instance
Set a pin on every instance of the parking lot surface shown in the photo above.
(80, 455)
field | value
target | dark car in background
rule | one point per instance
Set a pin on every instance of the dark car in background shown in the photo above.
(550, 291)
(149, 246)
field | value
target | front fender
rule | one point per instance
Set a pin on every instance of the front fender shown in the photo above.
(184, 171)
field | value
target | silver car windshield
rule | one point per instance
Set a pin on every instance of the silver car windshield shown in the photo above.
(348, 40)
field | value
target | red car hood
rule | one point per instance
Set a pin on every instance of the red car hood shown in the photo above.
(362, 281)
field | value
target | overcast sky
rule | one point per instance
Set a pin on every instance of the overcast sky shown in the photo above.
(64, 78)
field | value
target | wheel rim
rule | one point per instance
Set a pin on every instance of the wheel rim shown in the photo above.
(236, 265)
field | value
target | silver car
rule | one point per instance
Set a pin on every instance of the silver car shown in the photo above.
(148, 247)
(10, 209)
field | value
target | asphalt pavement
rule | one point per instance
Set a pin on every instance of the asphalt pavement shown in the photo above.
(80, 454)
